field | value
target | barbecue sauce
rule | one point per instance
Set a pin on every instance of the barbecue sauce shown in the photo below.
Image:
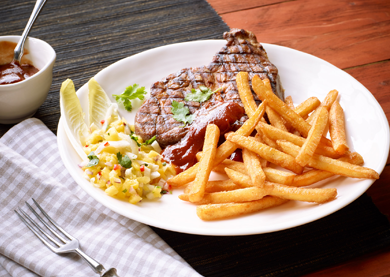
(183, 153)
(10, 71)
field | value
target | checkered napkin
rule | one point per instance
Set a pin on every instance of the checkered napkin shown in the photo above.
(31, 167)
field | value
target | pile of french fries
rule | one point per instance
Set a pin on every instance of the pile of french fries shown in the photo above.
(294, 140)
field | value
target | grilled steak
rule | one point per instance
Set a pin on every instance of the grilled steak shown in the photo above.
(242, 52)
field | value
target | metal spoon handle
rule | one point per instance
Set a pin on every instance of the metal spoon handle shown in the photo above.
(18, 52)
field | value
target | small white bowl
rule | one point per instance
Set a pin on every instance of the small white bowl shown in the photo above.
(21, 100)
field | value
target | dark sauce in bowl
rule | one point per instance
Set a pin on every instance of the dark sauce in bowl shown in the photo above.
(11, 73)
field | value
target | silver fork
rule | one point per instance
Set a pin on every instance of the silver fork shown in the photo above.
(66, 246)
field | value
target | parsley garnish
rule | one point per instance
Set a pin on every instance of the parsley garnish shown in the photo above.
(93, 159)
(123, 160)
(124, 191)
(200, 95)
(181, 113)
(130, 93)
(164, 191)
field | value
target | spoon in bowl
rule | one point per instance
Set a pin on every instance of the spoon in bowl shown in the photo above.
(19, 49)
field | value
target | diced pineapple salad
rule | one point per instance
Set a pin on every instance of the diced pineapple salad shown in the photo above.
(124, 166)
(119, 162)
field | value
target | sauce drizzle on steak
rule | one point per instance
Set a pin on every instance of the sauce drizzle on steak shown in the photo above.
(222, 114)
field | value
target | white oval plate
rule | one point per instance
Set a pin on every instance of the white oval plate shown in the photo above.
(302, 76)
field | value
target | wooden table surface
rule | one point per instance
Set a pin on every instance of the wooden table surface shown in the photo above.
(352, 35)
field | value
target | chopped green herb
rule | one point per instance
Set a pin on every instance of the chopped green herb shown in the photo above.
(124, 191)
(135, 138)
(93, 159)
(181, 113)
(164, 192)
(150, 141)
(200, 95)
(130, 93)
(146, 164)
(164, 163)
(123, 160)
(108, 133)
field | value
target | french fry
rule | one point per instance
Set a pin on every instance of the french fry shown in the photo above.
(271, 174)
(313, 138)
(261, 137)
(221, 168)
(244, 90)
(228, 210)
(331, 165)
(289, 102)
(278, 176)
(337, 128)
(227, 162)
(315, 175)
(277, 134)
(275, 119)
(223, 151)
(205, 165)
(327, 103)
(253, 167)
(264, 91)
(316, 195)
(270, 154)
(233, 196)
(216, 186)
(307, 106)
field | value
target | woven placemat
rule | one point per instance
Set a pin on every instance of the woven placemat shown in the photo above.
(90, 35)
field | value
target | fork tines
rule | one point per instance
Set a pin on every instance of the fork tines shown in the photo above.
(34, 227)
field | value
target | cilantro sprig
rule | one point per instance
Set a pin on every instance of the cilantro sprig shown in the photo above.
(123, 160)
(200, 95)
(135, 138)
(181, 112)
(147, 142)
(93, 159)
(130, 93)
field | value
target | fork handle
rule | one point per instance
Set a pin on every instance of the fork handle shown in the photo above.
(97, 267)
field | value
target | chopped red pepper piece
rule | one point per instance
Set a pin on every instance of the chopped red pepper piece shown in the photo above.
(117, 166)
(100, 173)
(86, 145)
(142, 168)
(102, 121)
(107, 144)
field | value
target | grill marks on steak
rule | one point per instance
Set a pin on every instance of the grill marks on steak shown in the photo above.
(242, 52)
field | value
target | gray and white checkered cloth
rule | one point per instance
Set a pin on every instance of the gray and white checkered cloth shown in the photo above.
(31, 167)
